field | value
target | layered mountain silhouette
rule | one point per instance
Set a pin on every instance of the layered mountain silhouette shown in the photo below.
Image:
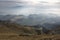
(45, 21)
(32, 19)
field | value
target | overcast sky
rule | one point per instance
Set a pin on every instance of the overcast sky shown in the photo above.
(27, 7)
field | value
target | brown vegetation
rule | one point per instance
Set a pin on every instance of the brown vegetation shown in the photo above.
(32, 37)
(13, 31)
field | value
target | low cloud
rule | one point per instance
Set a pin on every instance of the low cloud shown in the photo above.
(22, 7)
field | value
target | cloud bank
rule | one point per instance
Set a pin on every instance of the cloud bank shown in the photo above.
(27, 7)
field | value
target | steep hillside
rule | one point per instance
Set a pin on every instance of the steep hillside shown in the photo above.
(14, 28)
(6, 27)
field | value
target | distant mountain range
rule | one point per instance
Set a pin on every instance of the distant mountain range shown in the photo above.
(48, 21)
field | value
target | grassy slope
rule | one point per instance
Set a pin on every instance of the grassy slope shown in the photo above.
(35, 37)
(15, 28)
(12, 32)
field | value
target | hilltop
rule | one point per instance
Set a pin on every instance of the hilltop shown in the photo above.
(9, 27)
(13, 31)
